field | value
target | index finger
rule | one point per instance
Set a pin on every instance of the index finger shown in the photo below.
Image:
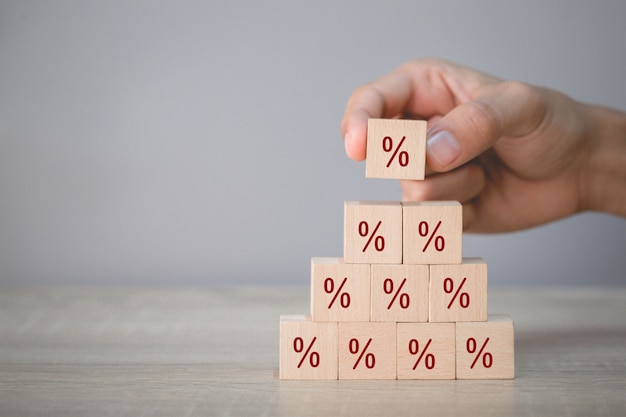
(423, 88)
(383, 98)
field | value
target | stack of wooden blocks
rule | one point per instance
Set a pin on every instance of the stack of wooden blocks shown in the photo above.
(402, 302)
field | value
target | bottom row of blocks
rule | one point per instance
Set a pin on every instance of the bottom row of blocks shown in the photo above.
(380, 350)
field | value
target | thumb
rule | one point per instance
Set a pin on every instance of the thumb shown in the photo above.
(504, 109)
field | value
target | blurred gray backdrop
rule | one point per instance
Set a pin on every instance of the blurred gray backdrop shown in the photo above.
(197, 142)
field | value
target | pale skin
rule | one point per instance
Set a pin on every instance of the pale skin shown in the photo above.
(515, 155)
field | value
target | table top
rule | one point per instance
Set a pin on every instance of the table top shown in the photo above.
(121, 351)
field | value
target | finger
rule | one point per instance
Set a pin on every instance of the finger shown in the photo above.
(461, 184)
(424, 88)
(417, 88)
(497, 110)
(384, 98)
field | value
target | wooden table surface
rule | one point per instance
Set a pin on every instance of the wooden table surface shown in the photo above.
(214, 352)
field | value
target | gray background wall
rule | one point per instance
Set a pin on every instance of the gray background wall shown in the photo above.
(196, 143)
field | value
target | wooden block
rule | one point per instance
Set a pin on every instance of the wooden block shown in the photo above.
(485, 350)
(367, 350)
(432, 232)
(458, 292)
(426, 351)
(308, 350)
(399, 293)
(396, 148)
(339, 291)
(373, 232)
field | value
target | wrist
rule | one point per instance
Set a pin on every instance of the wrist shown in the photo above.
(603, 185)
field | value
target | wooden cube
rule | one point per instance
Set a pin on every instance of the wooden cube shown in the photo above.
(367, 350)
(373, 232)
(396, 148)
(432, 232)
(339, 291)
(485, 350)
(399, 293)
(458, 292)
(426, 351)
(308, 350)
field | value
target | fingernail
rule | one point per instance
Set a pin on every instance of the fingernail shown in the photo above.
(347, 140)
(443, 147)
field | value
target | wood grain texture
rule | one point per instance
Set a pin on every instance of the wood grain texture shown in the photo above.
(432, 232)
(197, 352)
(308, 349)
(396, 148)
(399, 293)
(485, 350)
(339, 291)
(367, 350)
(458, 292)
(373, 232)
(426, 350)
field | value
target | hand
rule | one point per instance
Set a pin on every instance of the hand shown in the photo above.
(515, 155)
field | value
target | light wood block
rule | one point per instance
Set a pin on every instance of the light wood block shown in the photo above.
(426, 350)
(373, 232)
(485, 350)
(367, 350)
(339, 291)
(432, 232)
(308, 349)
(458, 292)
(399, 293)
(396, 148)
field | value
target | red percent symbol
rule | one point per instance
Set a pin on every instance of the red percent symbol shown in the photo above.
(404, 300)
(448, 288)
(370, 359)
(487, 357)
(379, 240)
(403, 156)
(344, 297)
(429, 359)
(314, 357)
(423, 231)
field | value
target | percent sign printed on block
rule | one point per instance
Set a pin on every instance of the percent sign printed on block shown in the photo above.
(399, 293)
(396, 148)
(458, 292)
(313, 357)
(404, 301)
(429, 358)
(370, 359)
(367, 350)
(308, 349)
(339, 291)
(432, 232)
(373, 232)
(485, 350)
(471, 346)
(426, 351)
(344, 296)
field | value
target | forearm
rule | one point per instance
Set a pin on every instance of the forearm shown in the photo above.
(604, 183)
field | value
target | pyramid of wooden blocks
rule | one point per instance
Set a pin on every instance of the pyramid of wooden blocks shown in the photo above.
(402, 302)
